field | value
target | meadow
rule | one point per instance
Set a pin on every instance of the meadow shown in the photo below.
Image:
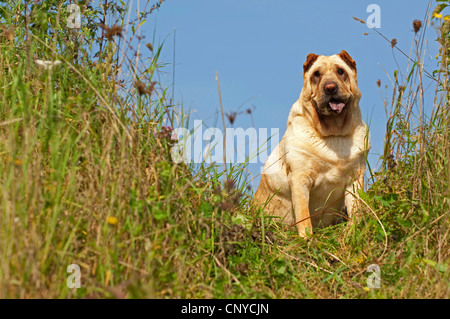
(87, 179)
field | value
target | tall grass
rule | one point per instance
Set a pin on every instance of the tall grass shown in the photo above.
(87, 178)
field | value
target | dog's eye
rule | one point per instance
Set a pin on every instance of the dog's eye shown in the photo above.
(317, 74)
(340, 71)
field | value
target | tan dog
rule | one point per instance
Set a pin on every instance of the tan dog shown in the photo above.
(320, 161)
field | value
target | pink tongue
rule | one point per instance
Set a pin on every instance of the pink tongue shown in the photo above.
(337, 106)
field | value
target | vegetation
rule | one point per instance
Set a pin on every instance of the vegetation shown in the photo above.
(87, 178)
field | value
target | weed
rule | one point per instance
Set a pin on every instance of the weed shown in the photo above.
(87, 178)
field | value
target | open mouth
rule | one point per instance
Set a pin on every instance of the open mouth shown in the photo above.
(336, 105)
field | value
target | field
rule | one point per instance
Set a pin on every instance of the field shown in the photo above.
(88, 186)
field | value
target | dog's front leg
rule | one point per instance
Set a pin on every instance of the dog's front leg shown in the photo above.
(351, 195)
(300, 187)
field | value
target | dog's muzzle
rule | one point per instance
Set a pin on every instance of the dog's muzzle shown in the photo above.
(334, 103)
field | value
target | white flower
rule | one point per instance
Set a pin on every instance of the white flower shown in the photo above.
(47, 65)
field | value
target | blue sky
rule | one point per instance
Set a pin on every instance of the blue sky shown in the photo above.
(258, 48)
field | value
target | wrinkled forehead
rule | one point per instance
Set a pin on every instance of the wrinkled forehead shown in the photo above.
(329, 63)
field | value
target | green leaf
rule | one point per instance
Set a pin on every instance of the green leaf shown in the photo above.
(412, 70)
(391, 198)
(405, 223)
(382, 201)
(363, 195)
(142, 22)
(440, 7)
(281, 270)
(440, 267)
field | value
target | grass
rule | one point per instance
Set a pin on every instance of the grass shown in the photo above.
(87, 178)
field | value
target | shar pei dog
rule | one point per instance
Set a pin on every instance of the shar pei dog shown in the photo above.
(318, 166)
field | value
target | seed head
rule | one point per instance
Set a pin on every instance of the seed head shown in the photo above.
(231, 117)
(112, 31)
(417, 24)
(393, 42)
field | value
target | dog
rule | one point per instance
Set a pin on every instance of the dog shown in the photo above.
(318, 166)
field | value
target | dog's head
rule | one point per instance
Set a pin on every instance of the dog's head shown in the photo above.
(330, 84)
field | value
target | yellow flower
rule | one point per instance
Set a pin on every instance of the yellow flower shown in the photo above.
(438, 15)
(447, 18)
(112, 220)
(359, 260)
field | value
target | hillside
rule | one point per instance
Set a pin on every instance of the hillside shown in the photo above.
(89, 186)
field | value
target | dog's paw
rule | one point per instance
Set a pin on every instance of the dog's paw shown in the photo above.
(304, 232)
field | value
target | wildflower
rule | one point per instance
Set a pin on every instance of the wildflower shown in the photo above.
(112, 31)
(231, 117)
(438, 15)
(168, 134)
(151, 87)
(7, 33)
(417, 24)
(217, 190)
(47, 65)
(166, 128)
(142, 89)
(229, 185)
(393, 43)
(112, 220)
(250, 109)
(226, 206)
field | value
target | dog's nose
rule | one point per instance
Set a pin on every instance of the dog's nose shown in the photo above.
(330, 88)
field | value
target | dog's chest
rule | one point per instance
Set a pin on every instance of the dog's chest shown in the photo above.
(335, 174)
(331, 160)
(338, 157)
(339, 151)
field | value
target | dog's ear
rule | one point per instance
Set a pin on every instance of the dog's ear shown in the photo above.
(348, 59)
(309, 62)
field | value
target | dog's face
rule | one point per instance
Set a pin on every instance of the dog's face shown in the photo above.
(330, 84)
